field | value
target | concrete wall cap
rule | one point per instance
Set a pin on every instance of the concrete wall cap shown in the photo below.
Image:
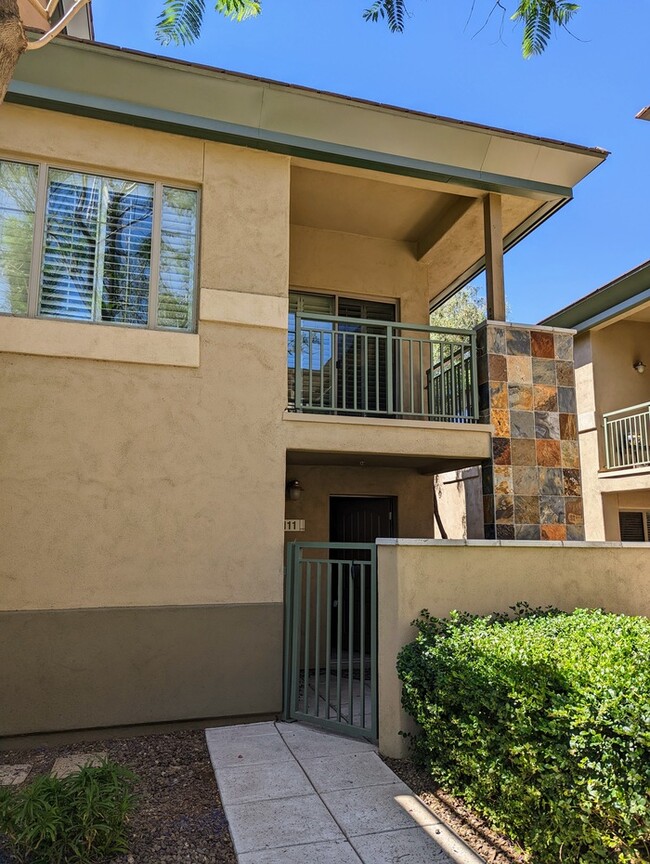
(517, 544)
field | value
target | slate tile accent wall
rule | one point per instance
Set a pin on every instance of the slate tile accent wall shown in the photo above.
(531, 488)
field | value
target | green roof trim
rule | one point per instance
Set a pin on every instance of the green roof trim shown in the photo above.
(622, 295)
(207, 128)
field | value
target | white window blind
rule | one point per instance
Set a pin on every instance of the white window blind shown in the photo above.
(113, 251)
(17, 211)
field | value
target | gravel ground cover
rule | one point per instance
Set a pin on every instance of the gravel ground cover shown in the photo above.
(491, 846)
(178, 818)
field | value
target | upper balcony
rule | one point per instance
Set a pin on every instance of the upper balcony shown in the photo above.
(627, 438)
(358, 367)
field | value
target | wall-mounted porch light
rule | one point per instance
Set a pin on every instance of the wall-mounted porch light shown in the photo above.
(640, 367)
(294, 490)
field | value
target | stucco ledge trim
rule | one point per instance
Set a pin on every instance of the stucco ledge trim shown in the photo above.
(73, 339)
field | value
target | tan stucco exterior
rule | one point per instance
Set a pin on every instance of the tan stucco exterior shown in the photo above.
(483, 577)
(143, 472)
(606, 381)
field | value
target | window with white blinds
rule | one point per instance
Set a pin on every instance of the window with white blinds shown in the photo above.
(84, 247)
(634, 525)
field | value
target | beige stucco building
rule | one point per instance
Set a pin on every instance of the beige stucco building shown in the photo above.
(612, 348)
(173, 237)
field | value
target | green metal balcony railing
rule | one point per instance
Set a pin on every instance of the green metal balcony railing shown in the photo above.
(627, 437)
(373, 368)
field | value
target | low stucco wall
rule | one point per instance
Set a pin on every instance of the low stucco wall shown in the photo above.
(482, 576)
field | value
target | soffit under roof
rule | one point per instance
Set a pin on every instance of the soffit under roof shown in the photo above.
(641, 316)
(358, 205)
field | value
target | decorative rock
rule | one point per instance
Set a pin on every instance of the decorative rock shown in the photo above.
(14, 775)
(66, 765)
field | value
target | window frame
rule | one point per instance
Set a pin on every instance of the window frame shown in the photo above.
(35, 287)
(645, 513)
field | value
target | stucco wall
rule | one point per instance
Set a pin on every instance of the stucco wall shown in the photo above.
(141, 476)
(606, 381)
(348, 264)
(483, 577)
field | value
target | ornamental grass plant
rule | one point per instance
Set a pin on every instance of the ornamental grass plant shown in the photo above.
(79, 819)
(541, 722)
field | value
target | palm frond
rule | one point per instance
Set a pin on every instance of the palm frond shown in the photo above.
(538, 17)
(392, 11)
(180, 22)
(239, 10)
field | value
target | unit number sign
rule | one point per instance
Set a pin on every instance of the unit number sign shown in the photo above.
(294, 524)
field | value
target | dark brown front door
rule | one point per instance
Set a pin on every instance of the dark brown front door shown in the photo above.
(361, 520)
(357, 520)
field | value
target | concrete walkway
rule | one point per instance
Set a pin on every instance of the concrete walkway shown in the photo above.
(296, 795)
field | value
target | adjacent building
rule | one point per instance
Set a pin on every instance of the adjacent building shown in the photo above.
(612, 352)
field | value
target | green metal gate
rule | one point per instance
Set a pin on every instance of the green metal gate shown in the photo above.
(330, 662)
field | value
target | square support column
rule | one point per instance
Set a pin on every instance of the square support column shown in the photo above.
(532, 486)
(493, 225)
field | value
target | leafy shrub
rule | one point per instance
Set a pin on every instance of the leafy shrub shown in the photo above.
(542, 724)
(78, 819)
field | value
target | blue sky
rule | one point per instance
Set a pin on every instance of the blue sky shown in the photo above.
(585, 90)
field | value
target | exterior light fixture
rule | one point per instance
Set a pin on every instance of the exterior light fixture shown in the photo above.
(640, 367)
(294, 490)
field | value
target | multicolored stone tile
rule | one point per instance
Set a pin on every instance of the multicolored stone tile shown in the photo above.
(570, 454)
(544, 371)
(574, 511)
(572, 484)
(522, 424)
(568, 427)
(497, 368)
(496, 340)
(563, 347)
(524, 451)
(532, 486)
(544, 397)
(566, 400)
(527, 532)
(501, 422)
(565, 374)
(575, 532)
(527, 509)
(549, 453)
(547, 424)
(498, 394)
(525, 480)
(551, 481)
(518, 341)
(503, 480)
(504, 508)
(542, 344)
(520, 370)
(553, 532)
(551, 509)
(501, 451)
(520, 397)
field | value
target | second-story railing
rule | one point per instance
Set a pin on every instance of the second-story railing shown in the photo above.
(355, 366)
(627, 437)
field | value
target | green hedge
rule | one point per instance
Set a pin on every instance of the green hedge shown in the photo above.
(542, 724)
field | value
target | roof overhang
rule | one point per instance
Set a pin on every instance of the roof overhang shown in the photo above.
(96, 80)
(84, 78)
(614, 300)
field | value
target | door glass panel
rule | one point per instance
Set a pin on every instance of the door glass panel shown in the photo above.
(361, 351)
